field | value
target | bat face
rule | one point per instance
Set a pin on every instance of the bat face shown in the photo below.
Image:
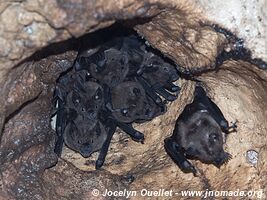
(158, 71)
(113, 70)
(87, 102)
(201, 137)
(80, 136)
(130, 103)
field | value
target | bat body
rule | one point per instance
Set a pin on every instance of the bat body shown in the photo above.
(113, 85)
(198, 134)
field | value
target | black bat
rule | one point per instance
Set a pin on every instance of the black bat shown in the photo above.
(126, 59)
(80, 136)
(77, 99)
(157, 78)
(130, 103)
(198, 134)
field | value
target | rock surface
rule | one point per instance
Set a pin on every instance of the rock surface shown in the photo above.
(247, 19)
(35, 47)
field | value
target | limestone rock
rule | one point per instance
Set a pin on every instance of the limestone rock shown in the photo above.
(37, 44)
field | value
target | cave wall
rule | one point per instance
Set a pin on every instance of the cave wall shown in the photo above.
(180, 30)
(247, 19)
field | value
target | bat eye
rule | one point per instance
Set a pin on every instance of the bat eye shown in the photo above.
(76, 102)
(213, 137)
(76, 99)
(124, 111)
(98, 94)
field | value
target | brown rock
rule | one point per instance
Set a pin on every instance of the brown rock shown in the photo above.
(35, 48)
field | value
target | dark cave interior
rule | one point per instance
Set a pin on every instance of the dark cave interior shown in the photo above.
(28, 141)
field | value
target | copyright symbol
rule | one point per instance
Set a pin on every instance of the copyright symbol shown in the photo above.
(95, 192)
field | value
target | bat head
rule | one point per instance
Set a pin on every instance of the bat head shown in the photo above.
(86, 100)
(80, 136)
(156, 70)
(202, 139)
(129, 103)
(112, 70)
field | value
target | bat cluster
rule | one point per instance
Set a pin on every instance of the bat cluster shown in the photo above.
(113, 85)
(122, 81)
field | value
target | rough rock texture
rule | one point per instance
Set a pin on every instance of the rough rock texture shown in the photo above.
(247, 19)
(183, 38)
(237, 79)
(35, 47)
(27, 142)
(64, 181)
